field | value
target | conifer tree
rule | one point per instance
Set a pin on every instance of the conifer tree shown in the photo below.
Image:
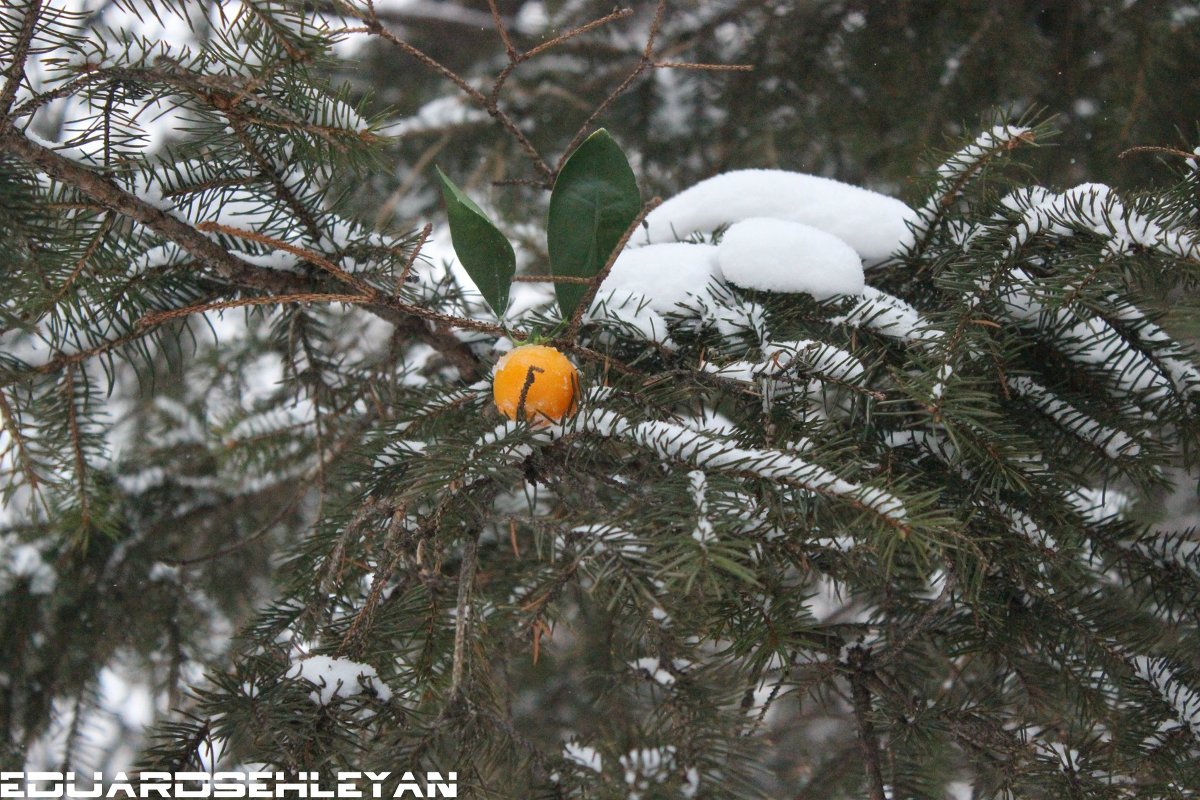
(843, 504)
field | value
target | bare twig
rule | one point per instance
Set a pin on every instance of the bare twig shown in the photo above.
(377, 28)
(502, 30)
(620, 13)
(703, 67)
(1169, 151)
(586, 301)
(415, 173)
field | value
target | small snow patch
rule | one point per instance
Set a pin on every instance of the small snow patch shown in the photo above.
(584, 756)
(334, 678)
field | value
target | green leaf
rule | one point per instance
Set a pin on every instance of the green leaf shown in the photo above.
(484, 251)
(595, 199)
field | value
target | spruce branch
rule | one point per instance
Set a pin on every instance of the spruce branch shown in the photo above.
(24, 458)
(282, 190)
(104, 191)
(102, 231)
(393, 552)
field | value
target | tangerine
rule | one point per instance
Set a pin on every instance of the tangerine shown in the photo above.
(536, 382)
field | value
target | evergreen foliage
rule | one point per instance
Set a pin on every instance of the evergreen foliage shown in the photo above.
(880, 545)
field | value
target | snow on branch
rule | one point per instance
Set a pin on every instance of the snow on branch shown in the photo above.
(1115, 443)
(1167, 350)
(676, 442)
(1089, 342)
(1096, 208)
(1184, 700)
(819, 360)
(889, 316)
(1176, 549)
(962, 166)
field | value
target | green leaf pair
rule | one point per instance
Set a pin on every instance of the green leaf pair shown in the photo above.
(594, 201)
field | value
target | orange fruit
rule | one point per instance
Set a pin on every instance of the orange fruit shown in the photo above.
(553, 384)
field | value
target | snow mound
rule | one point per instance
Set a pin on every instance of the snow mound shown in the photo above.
(873, 224)
(779, 256)
(665, 274)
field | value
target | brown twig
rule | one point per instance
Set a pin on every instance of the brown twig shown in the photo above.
(422, 237)
(868, 740)
(1149, 148)
(415, 173)
(377, 28)
(515, 59)
(61, 359)
(586, 301)
(502, 30)
(160, 317)
(620, 13)
(703, 67)
(530, 376)
(20, 52)
(552, 279)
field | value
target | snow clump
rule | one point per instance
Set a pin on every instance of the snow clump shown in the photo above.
(874, 225)
(779, 256)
